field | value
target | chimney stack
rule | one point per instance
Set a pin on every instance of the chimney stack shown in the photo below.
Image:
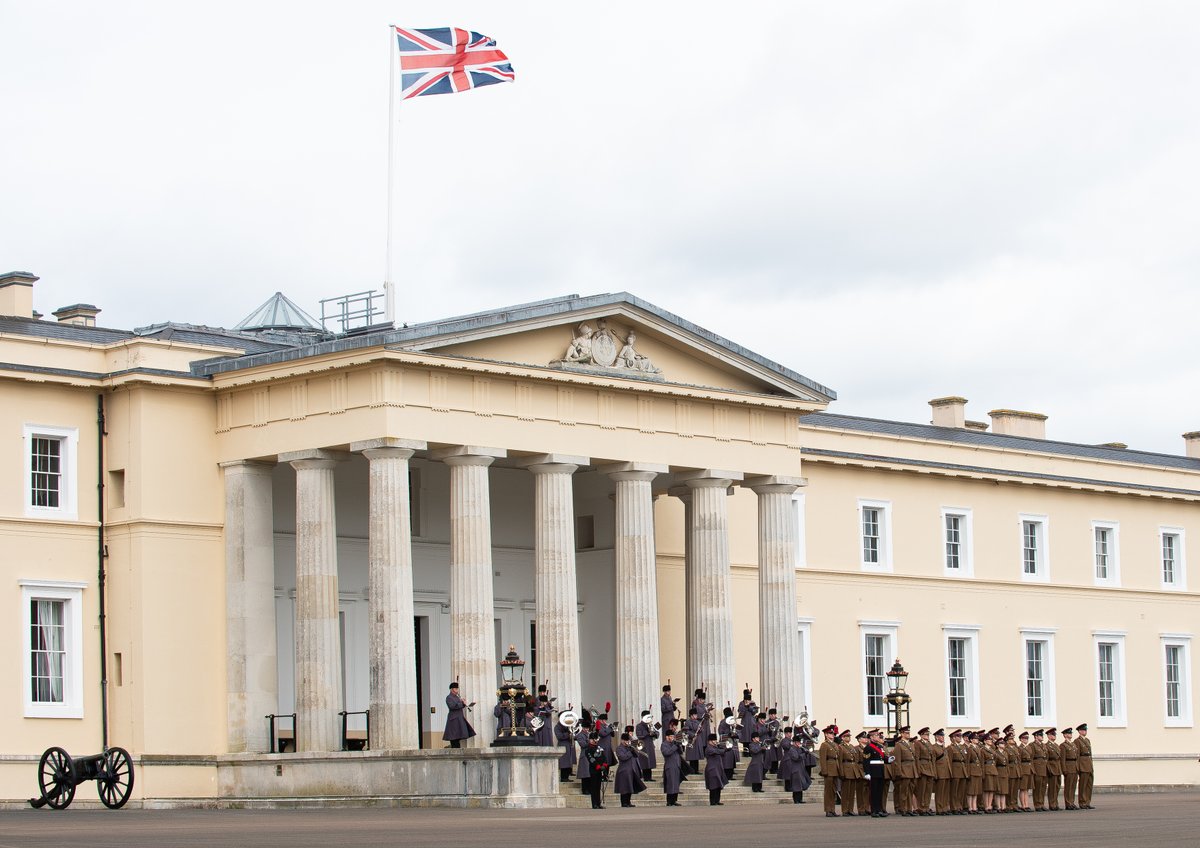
(1014, 422)
(83, 314)
(1191, 444)
(16, 294)
(949, 412)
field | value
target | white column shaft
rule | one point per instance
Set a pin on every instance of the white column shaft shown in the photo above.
(555, 587)
(636, 596)
(472, 604)
(710, 599)
(778, 636)
(318, 643)
(252, 684)
(394, 721)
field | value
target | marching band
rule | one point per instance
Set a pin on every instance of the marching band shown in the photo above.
(977, 772)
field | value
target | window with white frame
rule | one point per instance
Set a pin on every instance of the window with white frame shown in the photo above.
(1106, 553)
(1177, 680)
(1170, 543)
(1035, 547)
(807, 696)
(53, 626)
(801, 553)
(1037, 648)
(879, 647)
(50, 472)
(875, 535)
(1110, 678)
(962, 677)
(958, 560)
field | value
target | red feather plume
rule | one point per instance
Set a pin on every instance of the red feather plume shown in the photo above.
(608, 706)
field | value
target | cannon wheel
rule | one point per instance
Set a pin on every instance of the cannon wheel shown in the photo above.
(114, 783)
(56, 778)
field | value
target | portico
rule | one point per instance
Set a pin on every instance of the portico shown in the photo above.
(419, 513)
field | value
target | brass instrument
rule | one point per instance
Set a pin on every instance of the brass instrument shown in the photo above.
(536, 723)
(568, 719)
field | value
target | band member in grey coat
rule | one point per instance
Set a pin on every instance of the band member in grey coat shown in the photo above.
(582, 737)
(544, 735)
(695, 748)
(747, 713)
(801, 760)
(756, 767)
(672, 755)
(785, 763)
(457, 726)
(629, 773)
(714, 770)
(648, 736)
(667, 706)
(605, 731)
(565, 739)
(504, 718)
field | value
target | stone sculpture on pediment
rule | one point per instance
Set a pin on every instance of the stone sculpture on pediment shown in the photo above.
(599, 351)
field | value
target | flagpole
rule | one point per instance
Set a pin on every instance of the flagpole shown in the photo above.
(389, 283)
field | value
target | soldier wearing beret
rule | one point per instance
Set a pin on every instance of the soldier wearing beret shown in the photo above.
(1037, 755)
(1070, 768)
(941, 780)
(1086, 771)
(1054, 770)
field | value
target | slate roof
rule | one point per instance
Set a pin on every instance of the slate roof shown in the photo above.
(413, 336)
(186, 333)
(902, 429)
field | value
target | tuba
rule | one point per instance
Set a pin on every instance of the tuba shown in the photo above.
(567, 718)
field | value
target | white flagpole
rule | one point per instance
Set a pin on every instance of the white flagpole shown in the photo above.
(389, 283)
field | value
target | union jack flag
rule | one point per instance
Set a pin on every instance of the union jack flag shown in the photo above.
(447, 59)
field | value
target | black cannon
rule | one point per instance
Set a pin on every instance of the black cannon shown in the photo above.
(59, 774)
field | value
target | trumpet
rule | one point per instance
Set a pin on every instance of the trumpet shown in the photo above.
(728, 744)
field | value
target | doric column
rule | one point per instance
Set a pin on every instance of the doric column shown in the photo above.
(395, 724)
(252, 684)
(472, 605)
(318, 643)
(638, 673)
(710, 607)
(555, 588)
(778, 633)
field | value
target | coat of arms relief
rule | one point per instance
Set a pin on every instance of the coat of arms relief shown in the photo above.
(600, 349)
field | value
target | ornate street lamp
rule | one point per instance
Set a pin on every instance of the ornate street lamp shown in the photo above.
(897, 699)
(513, 702)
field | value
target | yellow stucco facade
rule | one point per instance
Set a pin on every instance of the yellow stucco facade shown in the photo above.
(180, 405)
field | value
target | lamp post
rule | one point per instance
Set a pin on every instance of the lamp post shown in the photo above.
(897, 699)
(513, 703)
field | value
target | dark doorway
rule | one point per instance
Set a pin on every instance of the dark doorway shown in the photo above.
(422, 719)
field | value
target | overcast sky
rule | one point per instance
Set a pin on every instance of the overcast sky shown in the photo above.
(898, 200)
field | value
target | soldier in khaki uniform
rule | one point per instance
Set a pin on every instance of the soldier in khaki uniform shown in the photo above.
(957, 754)
(864, 785)
(1086, 771)
(1070, 768)
(905, 772)
(941, 780)
(1037, 753)
(926, 772)
(850, 767)
(1026, 786)
(829, 759)
(1053, 769)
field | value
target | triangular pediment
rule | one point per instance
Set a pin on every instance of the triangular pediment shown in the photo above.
(592, 335)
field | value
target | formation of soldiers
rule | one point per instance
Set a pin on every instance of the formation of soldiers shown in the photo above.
(974, 773)
(771, 748)
(983, 772)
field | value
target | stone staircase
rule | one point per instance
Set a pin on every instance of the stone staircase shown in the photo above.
(692, 793)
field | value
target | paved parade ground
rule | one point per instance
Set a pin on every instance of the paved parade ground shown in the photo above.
(1159, 819)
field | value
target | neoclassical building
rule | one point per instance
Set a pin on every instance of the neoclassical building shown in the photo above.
(295, 523)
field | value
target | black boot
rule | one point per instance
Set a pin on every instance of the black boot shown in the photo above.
(564, 775)
(787, 786)
(673, 800)
(714, 797)
(645, 774)
(695, 766)
(585, 786)
(625, 796)
(757, 787)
